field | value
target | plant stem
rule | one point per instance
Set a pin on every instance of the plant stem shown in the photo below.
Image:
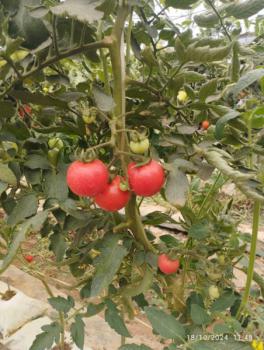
(136, 225)
(104, 61)
(128, 40)
(212, 189)
(253, 248)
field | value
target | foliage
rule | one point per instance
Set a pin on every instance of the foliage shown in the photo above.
(65, 60)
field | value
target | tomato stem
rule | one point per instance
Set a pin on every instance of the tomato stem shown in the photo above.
(253, 248)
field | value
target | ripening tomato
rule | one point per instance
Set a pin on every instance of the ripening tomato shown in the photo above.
(146, 180)
(167, 265)
(113, 198)
(139, 147)
(29, 258)
(25, 109)
(205, 124)
(87, 179)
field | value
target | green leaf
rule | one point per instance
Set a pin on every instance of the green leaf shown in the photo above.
(82, 10)
(246, 80)
(220, 345)
(142, 286)
(25, 207)
(207, 89)
(257, 118)
(7, 109)
(180, 4)
(235, 67)
(199, 230)
(77, 332)
(220, 124)
(46, 339)
(103, 101)
(7, 175)
(3, 187)
(36, 161)
(244, 9)
(192, 77)
(199, 315)
(108, 7)
(225, 301)
(55, 185)
(207, 20)
(114, 320)
(134, 347)
(35, 223)
(165, 325)
(107, 264)
(206, 54)
(94, 309)
(61, 304)
(58, 245)
(177, 187)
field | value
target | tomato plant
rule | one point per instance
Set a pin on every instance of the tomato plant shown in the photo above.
(97, 90)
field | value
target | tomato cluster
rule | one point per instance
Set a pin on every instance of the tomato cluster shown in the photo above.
(92, 179)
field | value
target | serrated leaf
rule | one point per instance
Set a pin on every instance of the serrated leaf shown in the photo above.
(46, 339)
(140, 287)
(25, 207)
(94, 309)
(164, 324)
(207, 89)
(7, 175)
(114, 320)
(36, 161)
(107, 264)
(199, 230)
(33, 224)
(58, 245)
(225, 301)
(246, 80)
(192, 77)
(108, 6)
(244, 9)
(180, 4)
(82, 10)
(220, 124)
(199, 315)
(55, 185)
(177, 187)
(61, 304)
(77, 332)
(206, 54)
(103, 101)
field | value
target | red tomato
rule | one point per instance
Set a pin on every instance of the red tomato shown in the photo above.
(205, 124)
(22, 110)
(113, 198)
(146, 180)
(29, 258)
(87, 179)
(166, 265)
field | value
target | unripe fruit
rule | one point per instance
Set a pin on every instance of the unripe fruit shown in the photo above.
(139, 147)
(213, 292)
(167, 265)
(182, 96)
(55, 142)
(221, 260)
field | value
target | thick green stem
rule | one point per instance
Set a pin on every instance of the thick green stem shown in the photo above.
(128, 39)
(104, 61)
(253, 248)
(117, 54)
(136, 226)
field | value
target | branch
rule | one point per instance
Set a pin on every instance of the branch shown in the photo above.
(105, 43)
(220, 19)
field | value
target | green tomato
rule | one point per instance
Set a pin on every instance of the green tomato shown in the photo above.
(56, 142)
(53, 156)
(221, 260)
(214, 276)
(213, 292)
(88, 119)
(139, 147)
